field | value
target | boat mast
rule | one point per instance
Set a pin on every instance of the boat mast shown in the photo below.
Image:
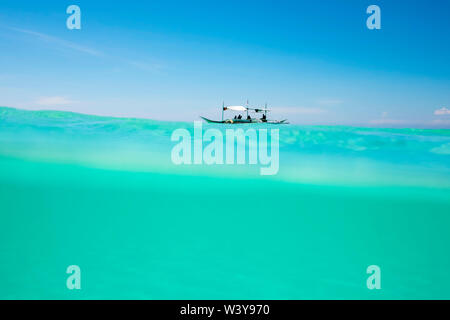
(247, 108)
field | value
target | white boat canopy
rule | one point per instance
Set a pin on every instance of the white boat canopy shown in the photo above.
(236, 108)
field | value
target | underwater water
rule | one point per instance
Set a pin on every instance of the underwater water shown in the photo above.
(102, 193)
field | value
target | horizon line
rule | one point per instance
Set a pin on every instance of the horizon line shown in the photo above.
(363, 126)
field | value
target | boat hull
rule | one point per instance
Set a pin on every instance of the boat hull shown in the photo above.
(244, 121)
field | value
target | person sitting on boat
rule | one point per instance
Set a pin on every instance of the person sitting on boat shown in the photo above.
(239, 117)
(264, 118)
(235, 117)
(249, 118)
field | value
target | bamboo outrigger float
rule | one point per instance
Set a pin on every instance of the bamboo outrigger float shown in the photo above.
(249, 119)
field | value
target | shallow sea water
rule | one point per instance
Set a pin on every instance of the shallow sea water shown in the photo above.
(102, 193)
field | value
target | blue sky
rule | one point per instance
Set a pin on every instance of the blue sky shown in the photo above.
(314, 62)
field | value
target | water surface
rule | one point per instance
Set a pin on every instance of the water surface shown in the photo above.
(102, 193)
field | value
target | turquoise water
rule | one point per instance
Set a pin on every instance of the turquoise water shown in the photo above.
(103, 194)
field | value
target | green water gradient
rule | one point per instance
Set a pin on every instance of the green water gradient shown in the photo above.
(103, 194)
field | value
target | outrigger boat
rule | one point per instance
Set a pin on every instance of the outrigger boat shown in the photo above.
(249, 119)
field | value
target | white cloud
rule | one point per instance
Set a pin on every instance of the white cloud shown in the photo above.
(54, 101)
(411, 123)
(442, 111)
(60, 42)
(299, 110)
(441, 122)
(388, 121)
(329, 102)
(152, 67)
